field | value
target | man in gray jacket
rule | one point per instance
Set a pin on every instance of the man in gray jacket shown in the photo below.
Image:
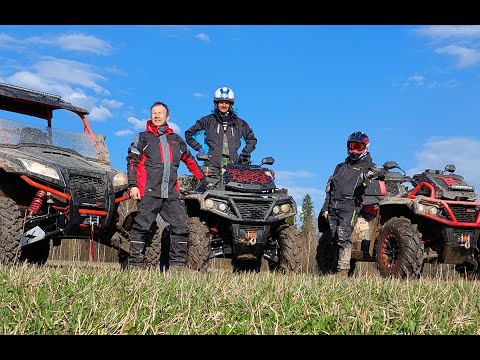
(223, 131)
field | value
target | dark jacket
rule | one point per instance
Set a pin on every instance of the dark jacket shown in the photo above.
(212, 126)
(153, 159)
(345, 188)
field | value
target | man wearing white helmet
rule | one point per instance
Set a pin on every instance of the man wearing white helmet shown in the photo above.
(223, 131)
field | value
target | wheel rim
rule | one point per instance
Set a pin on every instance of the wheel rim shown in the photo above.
(390, 251)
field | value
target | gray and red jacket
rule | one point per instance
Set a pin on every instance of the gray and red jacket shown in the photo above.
(212, 126)
(153, 160)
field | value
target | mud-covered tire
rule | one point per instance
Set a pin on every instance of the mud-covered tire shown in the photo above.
(290, 252)
(399, 251)
(199, 246)
(326, 254)
(10, 231)
(153, 248)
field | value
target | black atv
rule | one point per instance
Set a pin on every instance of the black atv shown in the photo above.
(54, 183)
(409, 221)
(241, 216)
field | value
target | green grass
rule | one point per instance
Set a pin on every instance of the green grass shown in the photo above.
(101, 299)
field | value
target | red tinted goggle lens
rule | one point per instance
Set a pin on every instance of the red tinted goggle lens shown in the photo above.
(355, 145)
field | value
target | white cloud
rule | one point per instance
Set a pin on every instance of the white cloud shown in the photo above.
(461, 152)
(123, 132)
(202, 37)
(112, 104)
(87, 43)
(466, 56)
(199, 95)
(175, 127)
(417, 80)
(99, 113)
(137, 124)
(449, 31)
(68, 42)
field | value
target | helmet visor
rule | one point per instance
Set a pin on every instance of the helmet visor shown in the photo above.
(356, 145)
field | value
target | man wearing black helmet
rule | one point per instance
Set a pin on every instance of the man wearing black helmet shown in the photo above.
(344, 196)
(223, 131)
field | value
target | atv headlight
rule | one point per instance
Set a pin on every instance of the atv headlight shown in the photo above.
(41, 169)
(120, 179)
(285, 208)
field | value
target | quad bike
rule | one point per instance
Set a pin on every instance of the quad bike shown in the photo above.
(241, 216)
(407, 221)
(55, 183)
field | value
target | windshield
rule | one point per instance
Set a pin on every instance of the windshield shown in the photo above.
(14, 132)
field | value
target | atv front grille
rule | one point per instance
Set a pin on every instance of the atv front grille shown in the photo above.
(464, 213)
(253, 210)
(88, 187)
(240, 174)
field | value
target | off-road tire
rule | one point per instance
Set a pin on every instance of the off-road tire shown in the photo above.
(399, 251)
(290, 252)
(153, 250)
(10, 231)
(199, 247)
(326, 255)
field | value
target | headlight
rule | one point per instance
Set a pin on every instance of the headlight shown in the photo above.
(209, 203)
(285, 208)
(222, 206)
(276, 210)
(120, 179)
(41, 169)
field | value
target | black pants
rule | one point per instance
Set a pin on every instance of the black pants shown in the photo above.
(342, 222)
(173, 212)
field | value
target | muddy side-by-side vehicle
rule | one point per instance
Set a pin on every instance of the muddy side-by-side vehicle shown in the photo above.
(55, 183)
(241, 216)
(432, 217)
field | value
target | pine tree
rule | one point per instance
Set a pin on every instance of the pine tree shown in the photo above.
(306, 216)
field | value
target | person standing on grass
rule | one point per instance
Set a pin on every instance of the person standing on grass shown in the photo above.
(344, 196)
(152, 163)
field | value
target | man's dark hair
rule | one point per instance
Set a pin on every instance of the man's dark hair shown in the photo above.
(160, 103)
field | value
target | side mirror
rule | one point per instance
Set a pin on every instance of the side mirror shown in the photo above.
(388, 165)
(202, 157)
(450, 168)
(267, 161)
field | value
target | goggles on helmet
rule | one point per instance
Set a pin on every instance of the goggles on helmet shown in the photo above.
(356, 145)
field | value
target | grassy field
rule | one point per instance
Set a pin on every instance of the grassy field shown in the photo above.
(98, 298)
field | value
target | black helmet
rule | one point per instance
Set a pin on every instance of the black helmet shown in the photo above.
(357, 145)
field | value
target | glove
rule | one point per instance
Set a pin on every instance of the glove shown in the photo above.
(369, 175)
(325, 214)
(244, 159)
(202, 185)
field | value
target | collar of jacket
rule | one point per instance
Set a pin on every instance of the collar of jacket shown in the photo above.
(151, 128)
(231, 118)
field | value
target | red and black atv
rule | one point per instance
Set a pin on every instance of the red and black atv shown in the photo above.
(409, 221)
(241, 216)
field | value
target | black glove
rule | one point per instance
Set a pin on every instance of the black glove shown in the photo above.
(244, 159)
(202, 185)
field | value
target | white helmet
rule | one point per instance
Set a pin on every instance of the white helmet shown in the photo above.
(224, 93)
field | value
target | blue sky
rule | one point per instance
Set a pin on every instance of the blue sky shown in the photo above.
(303, 88)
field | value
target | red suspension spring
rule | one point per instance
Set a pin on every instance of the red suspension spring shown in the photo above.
(37, 202)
